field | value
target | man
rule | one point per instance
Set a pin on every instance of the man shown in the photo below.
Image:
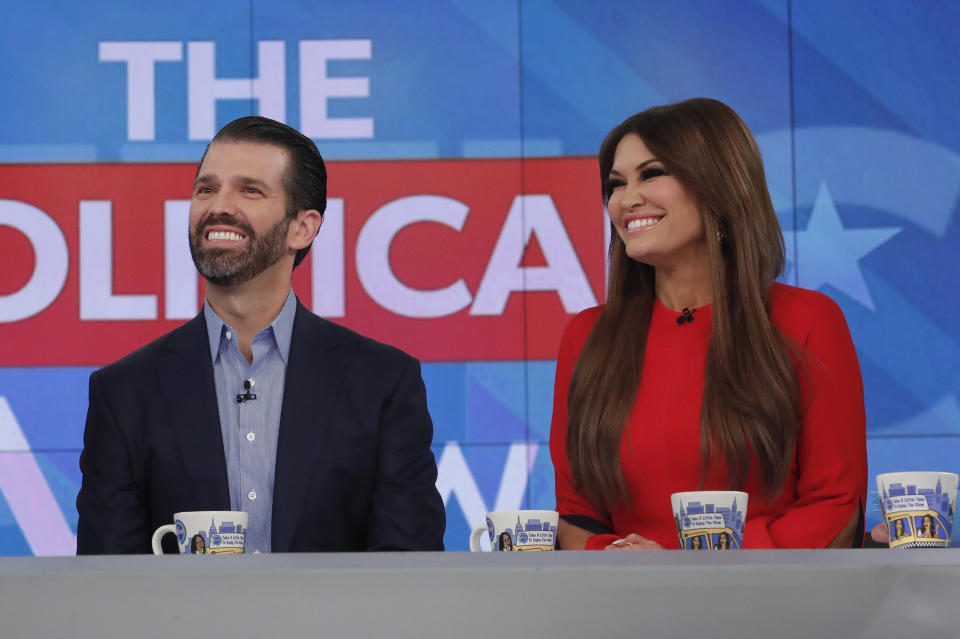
(256, 404)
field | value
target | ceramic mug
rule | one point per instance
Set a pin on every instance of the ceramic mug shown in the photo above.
(205, 532)
(518, 530)
(710, 519)
(918, 507)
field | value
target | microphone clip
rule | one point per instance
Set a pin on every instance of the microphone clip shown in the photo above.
(686, 317)
(246, 396)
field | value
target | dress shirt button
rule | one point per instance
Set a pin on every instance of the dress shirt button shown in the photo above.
(252, 495)
(251, 437)
(228, 335)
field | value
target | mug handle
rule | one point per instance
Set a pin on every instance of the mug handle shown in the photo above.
(475, 538)
(158, 535)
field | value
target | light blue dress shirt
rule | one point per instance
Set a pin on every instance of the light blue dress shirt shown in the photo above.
(250, 428)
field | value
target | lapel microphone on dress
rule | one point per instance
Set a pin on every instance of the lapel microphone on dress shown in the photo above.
(247, 396)
(686, 317)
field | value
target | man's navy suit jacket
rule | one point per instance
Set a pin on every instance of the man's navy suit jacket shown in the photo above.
(354, 469)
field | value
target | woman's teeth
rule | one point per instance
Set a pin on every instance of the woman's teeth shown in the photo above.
(642, 222)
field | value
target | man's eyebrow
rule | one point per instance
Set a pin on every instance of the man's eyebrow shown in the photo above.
(208, 178)
(244, 179)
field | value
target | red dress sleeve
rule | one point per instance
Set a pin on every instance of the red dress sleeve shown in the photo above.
(831, 455)
(569, 502)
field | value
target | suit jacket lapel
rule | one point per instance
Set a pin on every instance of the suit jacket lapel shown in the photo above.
(190, 395)
(315, 371)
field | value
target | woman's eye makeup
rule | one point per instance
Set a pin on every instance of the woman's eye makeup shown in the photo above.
(646, 173)
(652, 172)
(614, 183)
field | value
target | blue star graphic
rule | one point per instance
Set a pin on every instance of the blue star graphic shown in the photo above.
(829, 253)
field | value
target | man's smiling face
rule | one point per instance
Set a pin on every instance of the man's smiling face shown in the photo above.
(238, 221)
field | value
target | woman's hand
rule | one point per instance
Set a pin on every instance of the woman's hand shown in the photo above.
(880, 534)
(633, 541)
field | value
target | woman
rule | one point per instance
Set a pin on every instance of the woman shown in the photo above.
(898, 530)
(723, 541)
(505, 542)
(700, 371)
(197, 545)
(928, 530)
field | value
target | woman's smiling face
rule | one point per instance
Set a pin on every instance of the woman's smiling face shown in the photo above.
(655, 215)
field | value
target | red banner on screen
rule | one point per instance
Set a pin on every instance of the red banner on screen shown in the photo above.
(449, 260)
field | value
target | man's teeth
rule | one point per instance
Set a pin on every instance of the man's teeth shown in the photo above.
(224, 235)
(642, 222)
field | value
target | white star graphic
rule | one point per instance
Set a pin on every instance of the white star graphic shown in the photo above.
(829, 253)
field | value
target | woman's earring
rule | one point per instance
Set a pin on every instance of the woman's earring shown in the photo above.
(719, 236)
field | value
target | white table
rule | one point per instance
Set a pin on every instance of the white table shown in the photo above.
(840, 594)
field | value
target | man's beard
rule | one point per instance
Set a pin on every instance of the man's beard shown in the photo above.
(229, 268)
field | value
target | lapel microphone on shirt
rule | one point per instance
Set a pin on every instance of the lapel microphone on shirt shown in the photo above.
(246, 396)
(686, 317)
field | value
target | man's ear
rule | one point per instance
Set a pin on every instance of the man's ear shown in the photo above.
(304, 228)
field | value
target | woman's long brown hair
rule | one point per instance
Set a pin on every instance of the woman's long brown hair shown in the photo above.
(751, 402)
